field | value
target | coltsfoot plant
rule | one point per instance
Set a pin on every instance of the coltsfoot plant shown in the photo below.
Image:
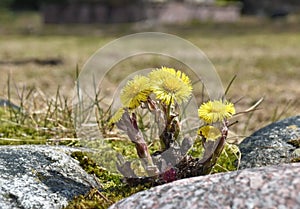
(155, 104)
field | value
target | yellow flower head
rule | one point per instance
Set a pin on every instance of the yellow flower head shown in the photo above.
(182, 76)
(117, 116)
(135, 92)
(216, 111)
(170, 86)
(209, 132)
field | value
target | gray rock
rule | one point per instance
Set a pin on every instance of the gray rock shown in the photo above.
(271, 144)
(266, 187)
(7, 103)
(35, 176)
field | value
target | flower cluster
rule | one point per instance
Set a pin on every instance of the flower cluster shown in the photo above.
(167, 85)
(161, 92)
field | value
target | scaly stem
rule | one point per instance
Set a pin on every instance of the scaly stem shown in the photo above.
(129, 125)
(213, 150)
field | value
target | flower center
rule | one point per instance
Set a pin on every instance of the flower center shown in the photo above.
(171, 85)
(218, 108)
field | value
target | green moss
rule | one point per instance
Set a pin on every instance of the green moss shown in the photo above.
(112, 187)
(295, 160)
(295, 142)
(91, 200)
(197, 149)
(107, 151)
(296, 155)
(228, 161)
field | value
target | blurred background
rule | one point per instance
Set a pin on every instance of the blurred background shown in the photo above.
(43, 42)
(114, 11)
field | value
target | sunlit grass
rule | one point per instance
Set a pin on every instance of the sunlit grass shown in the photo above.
(263, 54)
(265, 61)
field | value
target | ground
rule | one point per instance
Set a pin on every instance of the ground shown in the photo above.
(262, 53)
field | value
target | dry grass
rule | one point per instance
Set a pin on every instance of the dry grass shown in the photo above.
(263, 54)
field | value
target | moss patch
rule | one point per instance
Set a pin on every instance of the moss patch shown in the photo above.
(112, 187)
(228, 160)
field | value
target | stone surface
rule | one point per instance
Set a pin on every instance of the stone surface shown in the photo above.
(270, 145)
(35, 176)
(266, 187)
(7, 103)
